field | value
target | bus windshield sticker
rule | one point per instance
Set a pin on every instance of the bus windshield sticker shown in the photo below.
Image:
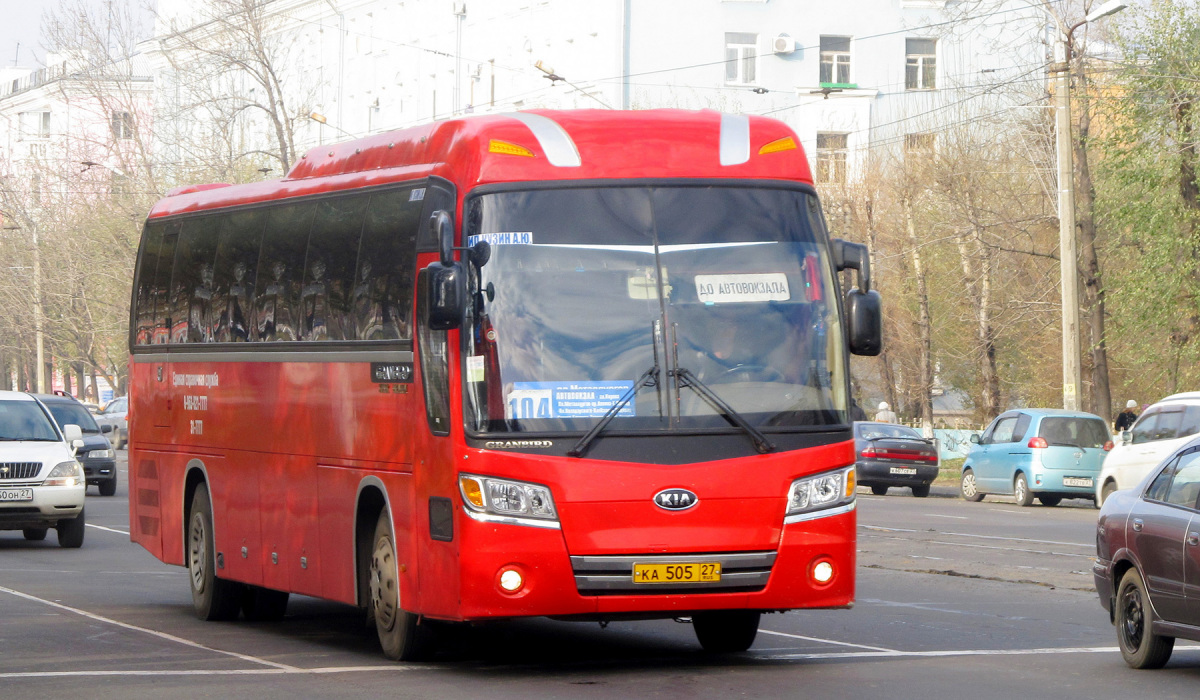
(725, 289)
(417, 195)
(475, 371)
(566, 399)
(643, 284)
(507, 238)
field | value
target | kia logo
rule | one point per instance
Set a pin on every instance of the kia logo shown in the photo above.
(675, 499)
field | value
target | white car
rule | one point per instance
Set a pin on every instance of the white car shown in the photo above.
(42, 485)
(114, 416)
(1158, 432)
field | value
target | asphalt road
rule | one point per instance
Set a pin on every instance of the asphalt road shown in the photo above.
(954, 598)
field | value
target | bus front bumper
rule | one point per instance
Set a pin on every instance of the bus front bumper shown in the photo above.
(551, 583)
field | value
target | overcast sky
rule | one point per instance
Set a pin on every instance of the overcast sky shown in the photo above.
(21, 22)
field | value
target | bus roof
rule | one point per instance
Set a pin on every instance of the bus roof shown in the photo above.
(541, 145)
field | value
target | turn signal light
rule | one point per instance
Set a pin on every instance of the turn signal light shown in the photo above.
(508, 149)
(1108, 446)
(784, 144)
(471, 491)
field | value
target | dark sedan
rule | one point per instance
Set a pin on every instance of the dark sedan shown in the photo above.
(1147, 566)
(97, 456)
(894, 455)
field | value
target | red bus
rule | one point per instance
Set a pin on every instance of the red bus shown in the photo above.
(583, 364)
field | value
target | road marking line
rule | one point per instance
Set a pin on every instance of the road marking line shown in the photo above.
(827, 641)
(954, 517)
(1012, 549)
(952, 652)
(107, 529)
(981, 537)
(287, 670)
(135, 628)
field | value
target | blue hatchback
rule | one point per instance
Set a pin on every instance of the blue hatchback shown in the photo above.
(1045, 453)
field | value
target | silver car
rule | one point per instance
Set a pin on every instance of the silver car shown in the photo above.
(114, 417)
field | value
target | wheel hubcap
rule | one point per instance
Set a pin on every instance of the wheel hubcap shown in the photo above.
(968, 485)
(1020, 494)
(383, 583)
(197, 553)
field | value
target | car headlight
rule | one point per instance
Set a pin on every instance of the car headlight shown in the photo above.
(100, 454)
(821, 491)
(65, 474)
(515, 499)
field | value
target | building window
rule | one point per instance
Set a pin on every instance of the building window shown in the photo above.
(919, 145)
(741, 58)
(831, 158)
(122, 125)
(920, 71)
(35, 125)
(835, 60)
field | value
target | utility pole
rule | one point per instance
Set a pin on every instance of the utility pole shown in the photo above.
(1072, 375)
(460, 12)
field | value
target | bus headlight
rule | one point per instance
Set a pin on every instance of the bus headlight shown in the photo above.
(821, 491)
(518, 499)
(65, 474)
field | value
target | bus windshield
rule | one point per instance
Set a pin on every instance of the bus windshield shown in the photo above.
(588, 288)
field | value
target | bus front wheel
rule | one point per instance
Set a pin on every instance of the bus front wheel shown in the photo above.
(725, 631)
(213, 598)
(401, 634)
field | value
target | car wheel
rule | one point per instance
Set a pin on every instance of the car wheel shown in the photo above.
(969, 490)
(35, 534)
(108, 488)
(400, 635)
(70, 532)
(1139, 645)
(921, 491)
(1049, 501)
(726, 631)
(879, 490)
(1110, 487)
(212, 598)
(263, 604)
(1021, 491)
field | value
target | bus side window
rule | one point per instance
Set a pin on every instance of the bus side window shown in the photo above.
(280, 266)
(234, 274)
(193, 281)
(161, 286)
(329, 269)
(382, 297)
(144, 301)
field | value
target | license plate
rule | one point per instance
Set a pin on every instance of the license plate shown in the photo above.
(698, 572)
(902, 470)
(1077, 481)
(15, 495)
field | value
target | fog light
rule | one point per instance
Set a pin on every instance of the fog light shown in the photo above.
(823, 572)
(511, 581)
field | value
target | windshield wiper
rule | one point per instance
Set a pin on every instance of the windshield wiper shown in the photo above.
(685, 378)
(648, 378)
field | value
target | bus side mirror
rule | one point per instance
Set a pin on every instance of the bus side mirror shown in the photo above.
(864, 322)
(847, 255)
(442, 227)
(445, 295)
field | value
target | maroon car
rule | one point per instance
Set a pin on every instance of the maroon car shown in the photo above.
(1147, 566)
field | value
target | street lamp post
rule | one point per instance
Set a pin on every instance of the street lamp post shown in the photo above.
(1068, 264)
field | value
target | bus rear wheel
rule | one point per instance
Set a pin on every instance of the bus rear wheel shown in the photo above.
(726, 631)
(401, 633)
(212, 598)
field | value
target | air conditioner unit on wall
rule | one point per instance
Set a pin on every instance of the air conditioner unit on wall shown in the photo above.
(784, 44)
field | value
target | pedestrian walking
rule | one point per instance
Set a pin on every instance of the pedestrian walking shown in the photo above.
(886, 414)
